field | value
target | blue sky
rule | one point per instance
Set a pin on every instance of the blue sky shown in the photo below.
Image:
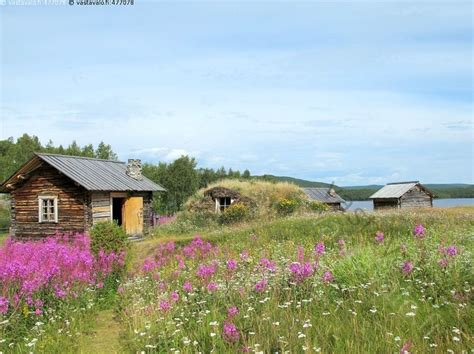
(348, 92)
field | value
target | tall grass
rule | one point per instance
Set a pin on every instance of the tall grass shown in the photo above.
(352, 293)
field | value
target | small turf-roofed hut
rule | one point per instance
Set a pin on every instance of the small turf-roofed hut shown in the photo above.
(402, 195)
(327, 196)
(70, 194)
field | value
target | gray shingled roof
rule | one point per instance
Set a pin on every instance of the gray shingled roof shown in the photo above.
(394, 190)
(98, 175)
(323, 195)
(92, 174)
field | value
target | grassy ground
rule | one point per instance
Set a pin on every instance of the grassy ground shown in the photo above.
(370, 306)
(105, 337)
(3, 237)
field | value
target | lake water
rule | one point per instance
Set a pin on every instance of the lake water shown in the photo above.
(440, 203)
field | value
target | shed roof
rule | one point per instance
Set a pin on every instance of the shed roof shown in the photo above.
(396, 190)
(325, 195)
(92, 174)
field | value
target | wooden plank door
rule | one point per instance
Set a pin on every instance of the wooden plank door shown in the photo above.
(132, 215)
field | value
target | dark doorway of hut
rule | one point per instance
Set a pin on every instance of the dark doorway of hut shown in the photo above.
(117, 205)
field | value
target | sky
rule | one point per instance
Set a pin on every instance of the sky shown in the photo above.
(345, 92)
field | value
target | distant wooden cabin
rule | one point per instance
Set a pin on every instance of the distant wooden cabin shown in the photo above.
(327, 196)
(402, 195)
(53, 193)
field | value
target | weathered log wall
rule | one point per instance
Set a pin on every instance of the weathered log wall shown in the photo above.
(416, 197)
(24, 206)
(385, 203)
(100, 207)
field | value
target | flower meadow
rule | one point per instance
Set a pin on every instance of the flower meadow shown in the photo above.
(399, 282)
(377, 292)
(44, 287)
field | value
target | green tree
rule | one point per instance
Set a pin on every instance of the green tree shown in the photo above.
(88, 151)
(74, 149)
(181, 181)
(104, 151)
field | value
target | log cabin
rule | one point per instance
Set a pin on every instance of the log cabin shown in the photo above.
(402, 195)
(326, 196)
(71, 194)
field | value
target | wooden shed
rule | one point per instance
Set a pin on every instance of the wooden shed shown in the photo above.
(62, 193)
(402, 195)
(327, 196)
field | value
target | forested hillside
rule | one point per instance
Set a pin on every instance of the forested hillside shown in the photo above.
(455, 190)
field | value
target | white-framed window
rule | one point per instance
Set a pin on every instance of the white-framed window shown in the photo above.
(224, 203)
(48, 208)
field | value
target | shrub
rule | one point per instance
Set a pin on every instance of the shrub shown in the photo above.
(317, 206)
(286, 206)
(109, 237)
(235, 213)
(4, 217)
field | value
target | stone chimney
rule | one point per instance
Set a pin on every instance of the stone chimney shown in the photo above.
(134, 169)
(332, 192)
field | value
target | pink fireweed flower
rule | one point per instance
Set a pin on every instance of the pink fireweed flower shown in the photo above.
(267, 264)
(419, 231)
(328, 277)
(164, 305)
(300, 254)
(212, 286)
(3, 305)
(206, 271)
(407, 267)
(231, 264)
(60, 293)
(181, 264)
(452, 251)
(148, 265)
(443, 262)
(120, 290)
(230, 333)
(379, 236)
(232, 311)
(319, 249)
(38, 312)
(174, 296)
(406, 346)
(244, 255)
(187, 286)
(261, 285)
(300, 271)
